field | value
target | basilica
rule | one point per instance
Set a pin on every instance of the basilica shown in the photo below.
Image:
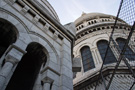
(37, 52)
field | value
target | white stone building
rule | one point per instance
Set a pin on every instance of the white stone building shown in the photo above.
(35, 49)
(92, 37)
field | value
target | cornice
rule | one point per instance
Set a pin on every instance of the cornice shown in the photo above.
(100, 25)
(46, 13)
(99, 29)
(92, 78)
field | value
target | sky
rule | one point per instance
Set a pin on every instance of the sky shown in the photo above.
(69, 10)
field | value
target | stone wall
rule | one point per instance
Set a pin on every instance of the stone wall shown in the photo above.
(36, 27)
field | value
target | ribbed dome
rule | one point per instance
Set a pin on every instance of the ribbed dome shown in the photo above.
(88, 16)
(48, 6)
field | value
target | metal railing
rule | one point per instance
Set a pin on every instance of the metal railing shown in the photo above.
(126, 12)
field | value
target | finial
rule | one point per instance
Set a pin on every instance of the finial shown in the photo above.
(83, 13)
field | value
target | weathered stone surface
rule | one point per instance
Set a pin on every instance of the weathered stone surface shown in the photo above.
(76, 65)
(67, 82)
(32, 28)
(89, 32)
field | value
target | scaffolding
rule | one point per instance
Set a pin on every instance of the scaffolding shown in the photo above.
(126, 13)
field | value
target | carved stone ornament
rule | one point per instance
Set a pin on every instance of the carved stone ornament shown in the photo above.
(11, 59)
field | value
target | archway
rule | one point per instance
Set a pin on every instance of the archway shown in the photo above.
(28, 68)
(8, 35)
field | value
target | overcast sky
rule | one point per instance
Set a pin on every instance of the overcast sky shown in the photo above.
(70, 10)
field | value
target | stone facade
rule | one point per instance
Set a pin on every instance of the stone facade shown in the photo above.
(36, 50)
(39, 45)
(92, 28)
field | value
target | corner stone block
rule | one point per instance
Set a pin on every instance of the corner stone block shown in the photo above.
(67, 82)
(54, 66)
(2, 3)
(21, 44)
(67, 63)
(66, 55)
(16, 52)
(67, 49)
(54, 87)
(52, 75)
(76, 65)
(65, 88)
(67, 72)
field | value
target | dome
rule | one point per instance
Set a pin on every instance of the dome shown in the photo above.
(48, 6)
(88, 16)
(87, 20)
(93, 32)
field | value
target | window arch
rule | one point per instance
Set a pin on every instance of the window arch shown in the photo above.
(129, 54)
(102, 46)
(87, 59)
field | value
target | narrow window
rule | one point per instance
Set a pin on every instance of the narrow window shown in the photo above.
(129, 54)
(92, 22)
(82, 26)
(87, 59)
(102, 46)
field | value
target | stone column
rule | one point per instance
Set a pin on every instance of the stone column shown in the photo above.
(47, 83)
(11, 59)
(94, 56)
(46, 86)
(98, 56)
(6, 69)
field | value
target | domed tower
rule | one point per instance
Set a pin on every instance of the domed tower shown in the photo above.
(92, 36)
(35, 49)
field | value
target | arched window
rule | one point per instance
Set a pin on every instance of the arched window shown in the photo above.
(92, 22)
(87, 59)
(79, 27)
(102, 46)
(82, 26)
(129, 54)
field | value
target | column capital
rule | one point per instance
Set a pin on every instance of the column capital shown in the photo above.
(14, 54)
(11, 59)
(15, 47)
(47, 80)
